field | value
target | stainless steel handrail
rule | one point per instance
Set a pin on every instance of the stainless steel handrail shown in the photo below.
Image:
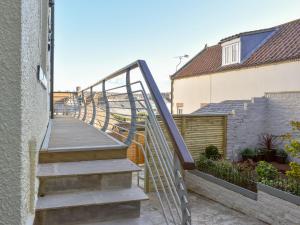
(122, 114)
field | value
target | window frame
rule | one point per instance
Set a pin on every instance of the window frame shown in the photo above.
(231, 52)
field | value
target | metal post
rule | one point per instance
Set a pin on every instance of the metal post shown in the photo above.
(107, 110)
(132, 108)
(94, 107)
(84, 104)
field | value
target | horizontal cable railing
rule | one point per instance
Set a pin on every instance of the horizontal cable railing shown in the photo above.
(126, 104)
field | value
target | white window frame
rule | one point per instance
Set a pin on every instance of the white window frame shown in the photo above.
(231, 52)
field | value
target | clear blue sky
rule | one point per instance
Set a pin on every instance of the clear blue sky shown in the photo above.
(96, 37)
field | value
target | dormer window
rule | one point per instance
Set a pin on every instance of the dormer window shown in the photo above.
(231, 52)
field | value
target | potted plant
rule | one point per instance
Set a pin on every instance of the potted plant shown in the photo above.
(248, 153)
(259, 155)
(281, 156)
(268, 143)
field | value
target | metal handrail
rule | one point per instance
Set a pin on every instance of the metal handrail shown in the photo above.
(101, 109)
(180, 148)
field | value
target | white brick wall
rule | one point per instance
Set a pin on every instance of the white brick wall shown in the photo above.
(269, 114)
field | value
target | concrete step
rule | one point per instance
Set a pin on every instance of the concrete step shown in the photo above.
(85, 175)
(83, 153)
(89, 206)
(129, 221)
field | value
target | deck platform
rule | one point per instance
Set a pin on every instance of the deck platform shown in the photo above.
(73, 134)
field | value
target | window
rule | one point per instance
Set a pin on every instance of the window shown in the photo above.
(179, 110)
(230, 53)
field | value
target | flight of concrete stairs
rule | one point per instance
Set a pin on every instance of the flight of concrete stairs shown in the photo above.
(86, 187)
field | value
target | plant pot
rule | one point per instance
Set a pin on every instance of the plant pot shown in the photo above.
(270, 155)
(280, 159)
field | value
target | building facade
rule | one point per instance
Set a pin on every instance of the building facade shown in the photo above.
(239, 67)
(24, 105)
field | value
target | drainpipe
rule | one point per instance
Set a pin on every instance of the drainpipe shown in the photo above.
(172, 97)
(51, 4)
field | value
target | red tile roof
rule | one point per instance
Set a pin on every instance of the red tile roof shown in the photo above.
(282, 46)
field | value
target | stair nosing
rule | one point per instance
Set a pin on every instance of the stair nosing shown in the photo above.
(85, 148)
(54, 171)
(118, 196)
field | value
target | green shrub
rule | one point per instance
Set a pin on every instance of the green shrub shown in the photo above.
(212, 152)
(266, 171)
(294, 172)
(248, 153)
(281, 153)
(204, 162)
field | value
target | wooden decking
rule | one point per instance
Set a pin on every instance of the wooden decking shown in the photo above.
(70, 133)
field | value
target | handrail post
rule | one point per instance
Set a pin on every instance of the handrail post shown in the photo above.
(74, 104)
(94, 107)
(79, 101)
(84, 104)
(107, 109)
(132, 108)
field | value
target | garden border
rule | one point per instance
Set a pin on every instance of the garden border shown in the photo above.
(226, 184)
(279, 193)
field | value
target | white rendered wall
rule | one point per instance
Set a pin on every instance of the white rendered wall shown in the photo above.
(23, 107)
(235, 85)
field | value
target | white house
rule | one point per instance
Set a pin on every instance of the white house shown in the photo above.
(241, 66)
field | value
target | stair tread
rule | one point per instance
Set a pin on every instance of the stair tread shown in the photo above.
(85, 198)
(131, 221)
(86, 167)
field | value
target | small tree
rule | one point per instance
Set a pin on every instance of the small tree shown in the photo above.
(293, 147)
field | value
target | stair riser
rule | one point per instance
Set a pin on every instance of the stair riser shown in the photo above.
(93, 213)
(52, 185)
(75, 156)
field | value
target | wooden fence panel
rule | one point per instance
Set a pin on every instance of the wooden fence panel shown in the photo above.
(198, 131)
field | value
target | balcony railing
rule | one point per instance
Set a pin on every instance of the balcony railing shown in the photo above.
(126, 105)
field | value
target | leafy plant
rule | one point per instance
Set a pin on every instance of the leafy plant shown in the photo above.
(248, 153)
(212, 152)
(268, 141)
(293, 147)
(294, 172)
(281, 153)
(266, 171)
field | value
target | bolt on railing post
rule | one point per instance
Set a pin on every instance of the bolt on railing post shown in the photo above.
(132, 108)
(85, 108)
(107, 109)
(182, 192)
(94, 108)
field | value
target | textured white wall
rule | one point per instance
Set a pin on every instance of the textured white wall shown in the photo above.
(34, 96)
(10, 113)
(23, 107)
(235, 85)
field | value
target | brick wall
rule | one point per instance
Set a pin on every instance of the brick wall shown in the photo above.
(269, 114)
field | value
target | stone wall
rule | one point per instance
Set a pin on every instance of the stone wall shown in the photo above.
(269, 114)
(267, 207)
